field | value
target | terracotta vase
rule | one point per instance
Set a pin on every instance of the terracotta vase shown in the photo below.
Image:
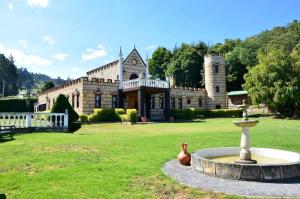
(184, 157)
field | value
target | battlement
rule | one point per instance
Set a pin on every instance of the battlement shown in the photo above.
(104, 67)
(81, 80)
(188, 88)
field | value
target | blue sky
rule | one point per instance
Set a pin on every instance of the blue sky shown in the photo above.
(66, 38)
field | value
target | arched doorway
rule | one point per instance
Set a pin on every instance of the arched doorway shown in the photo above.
(133, 76)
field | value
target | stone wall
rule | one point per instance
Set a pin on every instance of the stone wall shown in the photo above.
(108, 71)
(98, 86)
(69, 89)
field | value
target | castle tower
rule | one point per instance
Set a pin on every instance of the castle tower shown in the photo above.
(215, 81)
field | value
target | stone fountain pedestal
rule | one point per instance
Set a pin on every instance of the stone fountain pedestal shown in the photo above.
(245, 153)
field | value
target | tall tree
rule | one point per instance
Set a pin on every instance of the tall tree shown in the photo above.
(8, 75)
(159, 61)
(48, 85)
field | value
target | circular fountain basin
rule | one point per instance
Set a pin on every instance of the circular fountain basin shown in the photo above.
(246, 123)
(273, 164)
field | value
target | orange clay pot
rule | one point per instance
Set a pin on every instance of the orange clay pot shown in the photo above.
(184, 157)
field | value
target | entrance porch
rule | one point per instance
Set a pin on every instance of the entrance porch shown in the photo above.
(137, 94)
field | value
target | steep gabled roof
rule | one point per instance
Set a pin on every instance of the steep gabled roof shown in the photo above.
(134, 50)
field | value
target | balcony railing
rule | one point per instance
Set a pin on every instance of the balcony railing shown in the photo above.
(135, 83)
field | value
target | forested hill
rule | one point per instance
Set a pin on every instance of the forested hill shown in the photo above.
(15, 79)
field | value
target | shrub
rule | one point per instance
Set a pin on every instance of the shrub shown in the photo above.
(104, 115)
(17, 105)
(120, 111)
(220, 113)
(183, 114)
(83, 118)
(123, 118)
(131, 115)
(60, 106)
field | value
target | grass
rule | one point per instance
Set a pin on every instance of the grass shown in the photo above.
(121, 161)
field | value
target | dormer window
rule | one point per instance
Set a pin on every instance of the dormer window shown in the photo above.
(134, 62)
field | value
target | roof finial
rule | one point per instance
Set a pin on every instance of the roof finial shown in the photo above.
(147, 57)
(120, 54)
(133, 46)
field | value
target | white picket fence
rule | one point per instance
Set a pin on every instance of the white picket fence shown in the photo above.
(38, 119)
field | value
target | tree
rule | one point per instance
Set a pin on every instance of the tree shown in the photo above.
(60, 106)
(276, 81)
(187, 64)
(47, 86)
(8, 75)
(159, 62)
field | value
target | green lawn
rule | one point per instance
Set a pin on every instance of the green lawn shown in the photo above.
(122, 161)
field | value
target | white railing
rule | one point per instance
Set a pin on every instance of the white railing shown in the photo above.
(39, 119)
(144, 82)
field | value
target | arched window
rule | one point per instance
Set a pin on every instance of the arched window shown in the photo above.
(173, 102)
(200, 102)
(188, 101)
(133, 76)
(161, 103)
(73, 100)
(180, 103)
(97, 101)
(217, 89)
(216, 68)
(77, 100)
(113, 101)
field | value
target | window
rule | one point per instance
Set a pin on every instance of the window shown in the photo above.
(73, 100)
(218, 106)
(172, 102)
(77, 100)
(217, 89)
(152, 102)
(133, 76)
(113, 101)
(180, 103)
(216, 68)
(97, 101)
(161, 103)
(200, 102)
(188, 101)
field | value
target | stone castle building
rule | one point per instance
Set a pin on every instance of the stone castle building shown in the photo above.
(124, 83)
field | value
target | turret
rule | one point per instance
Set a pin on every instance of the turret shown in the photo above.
(120, 65)
(215, 81)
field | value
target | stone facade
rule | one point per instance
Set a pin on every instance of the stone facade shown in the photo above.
(101, 89)
(215, 81)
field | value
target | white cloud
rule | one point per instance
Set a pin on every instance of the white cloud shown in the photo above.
(151, 47)
(10, 6)
(30, 61)
(49, 39)
(23, 43)
(60, 56)
(41, 3)
(90, 54)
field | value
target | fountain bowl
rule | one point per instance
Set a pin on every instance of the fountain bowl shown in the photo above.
(289, 169)
(246, 123)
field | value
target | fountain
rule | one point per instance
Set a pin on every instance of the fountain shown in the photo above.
(245, 153)
(247, 163)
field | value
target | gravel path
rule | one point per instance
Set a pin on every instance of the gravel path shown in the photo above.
(186, 175)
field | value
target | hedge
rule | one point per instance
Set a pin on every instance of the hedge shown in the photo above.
(106, 115)
(190, 113)
(220, 113)
(60, 106)
(17, 105)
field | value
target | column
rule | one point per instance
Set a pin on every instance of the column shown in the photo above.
(148, 106)
(167, 105)
(141, 103)
(120, 99)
